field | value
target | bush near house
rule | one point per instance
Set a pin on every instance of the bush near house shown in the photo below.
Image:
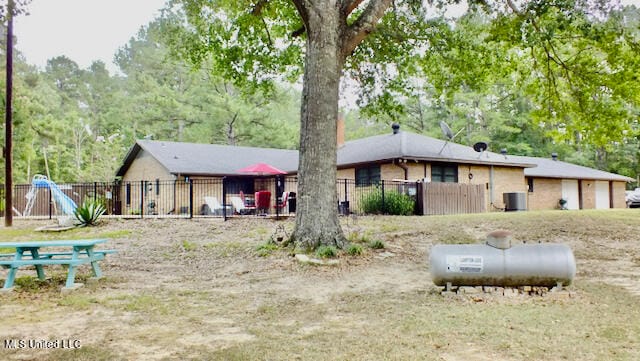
(394, 203)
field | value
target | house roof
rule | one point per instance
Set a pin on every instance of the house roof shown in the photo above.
(549, 168)
(419, 147)
(210, 159)
(213, 159)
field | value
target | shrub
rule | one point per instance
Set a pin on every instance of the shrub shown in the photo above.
(354, 250)
(88, 213)
(266, 249)
(326, 252)
(189, 246)
(394, 203)
(377, 244)
(357, 237)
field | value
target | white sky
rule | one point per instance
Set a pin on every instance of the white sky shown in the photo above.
(87, 30)
(83, 30)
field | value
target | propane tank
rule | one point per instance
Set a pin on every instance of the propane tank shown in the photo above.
(498, 263)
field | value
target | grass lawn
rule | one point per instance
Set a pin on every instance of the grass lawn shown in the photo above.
(204, 289)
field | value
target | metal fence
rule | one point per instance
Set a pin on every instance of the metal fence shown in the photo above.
(215, 197)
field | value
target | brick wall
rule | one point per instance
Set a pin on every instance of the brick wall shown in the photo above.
(588, 194)
(391, 171)
(348, 173)
(419, 170)
(146, 167)
(473, 174)
(505, 180)
(619, 195)
(546, 194)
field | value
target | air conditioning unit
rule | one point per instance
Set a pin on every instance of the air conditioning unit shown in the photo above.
(514, 201)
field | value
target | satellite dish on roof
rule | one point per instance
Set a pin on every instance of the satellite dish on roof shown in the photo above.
(446, 130)
(480, 147)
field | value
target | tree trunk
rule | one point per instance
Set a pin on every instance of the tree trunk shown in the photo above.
(317, 209)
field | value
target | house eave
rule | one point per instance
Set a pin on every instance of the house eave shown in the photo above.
(437, 160)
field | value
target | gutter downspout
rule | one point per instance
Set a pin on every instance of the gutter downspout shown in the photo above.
(491, 184)
(398, 163)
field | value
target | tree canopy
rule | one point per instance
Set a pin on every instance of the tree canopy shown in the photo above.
(76, 124)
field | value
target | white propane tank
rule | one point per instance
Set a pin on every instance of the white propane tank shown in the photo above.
(497, 263)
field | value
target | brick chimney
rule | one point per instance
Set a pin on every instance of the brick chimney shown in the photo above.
(340, 138)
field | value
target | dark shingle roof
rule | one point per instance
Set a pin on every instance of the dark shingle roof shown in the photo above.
(419, 147)
(210, 159)
(549, 168)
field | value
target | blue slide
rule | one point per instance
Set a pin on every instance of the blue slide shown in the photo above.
(66, 204)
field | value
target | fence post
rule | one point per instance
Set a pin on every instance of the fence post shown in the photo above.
(50, 200)
(224, 198)
(346, 197)
(95, 192)
(419, 208)
(142, 186)
(190, 198)
(384, 208)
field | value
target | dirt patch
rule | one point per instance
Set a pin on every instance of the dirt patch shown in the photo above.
(199, 289)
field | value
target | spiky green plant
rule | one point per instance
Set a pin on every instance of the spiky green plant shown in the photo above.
(326, 252)
(354, 250)
(89, 212)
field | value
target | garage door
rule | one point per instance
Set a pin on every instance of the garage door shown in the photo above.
(570, 193)
(602, 195)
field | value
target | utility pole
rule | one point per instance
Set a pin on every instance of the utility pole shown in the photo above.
(8, 158)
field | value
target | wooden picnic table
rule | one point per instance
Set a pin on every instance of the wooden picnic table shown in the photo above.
(67, 252)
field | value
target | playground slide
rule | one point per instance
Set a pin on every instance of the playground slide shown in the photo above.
(66, 204)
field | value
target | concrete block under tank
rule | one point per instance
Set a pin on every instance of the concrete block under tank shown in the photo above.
(543, 265)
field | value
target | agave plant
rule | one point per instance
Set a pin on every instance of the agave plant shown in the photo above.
(89, 212)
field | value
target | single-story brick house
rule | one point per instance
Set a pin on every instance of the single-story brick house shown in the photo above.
(402, 155)
(581, 187)
(398, 155)
(160, 162)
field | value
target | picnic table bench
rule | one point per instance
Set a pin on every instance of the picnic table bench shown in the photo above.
(82, 252)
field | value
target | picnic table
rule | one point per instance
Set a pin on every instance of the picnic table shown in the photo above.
(63, 252)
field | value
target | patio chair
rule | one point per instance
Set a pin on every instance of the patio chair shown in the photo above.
(282, 204)
(240, 207)
(247, 202)
(215, 206)
(263, 199)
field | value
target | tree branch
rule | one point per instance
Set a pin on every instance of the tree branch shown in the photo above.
(257, 9)
(303, 10)
(349, 5)
(266, 29)
(364, 25)
(299, 32)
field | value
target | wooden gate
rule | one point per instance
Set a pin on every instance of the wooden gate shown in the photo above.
(452, 198)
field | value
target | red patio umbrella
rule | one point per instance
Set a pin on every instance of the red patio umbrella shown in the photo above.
(264, 169)
(261, 169)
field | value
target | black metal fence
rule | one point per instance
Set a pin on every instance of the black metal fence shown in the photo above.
(215, 197)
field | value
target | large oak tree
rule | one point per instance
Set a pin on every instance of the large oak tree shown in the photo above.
(243, 34)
